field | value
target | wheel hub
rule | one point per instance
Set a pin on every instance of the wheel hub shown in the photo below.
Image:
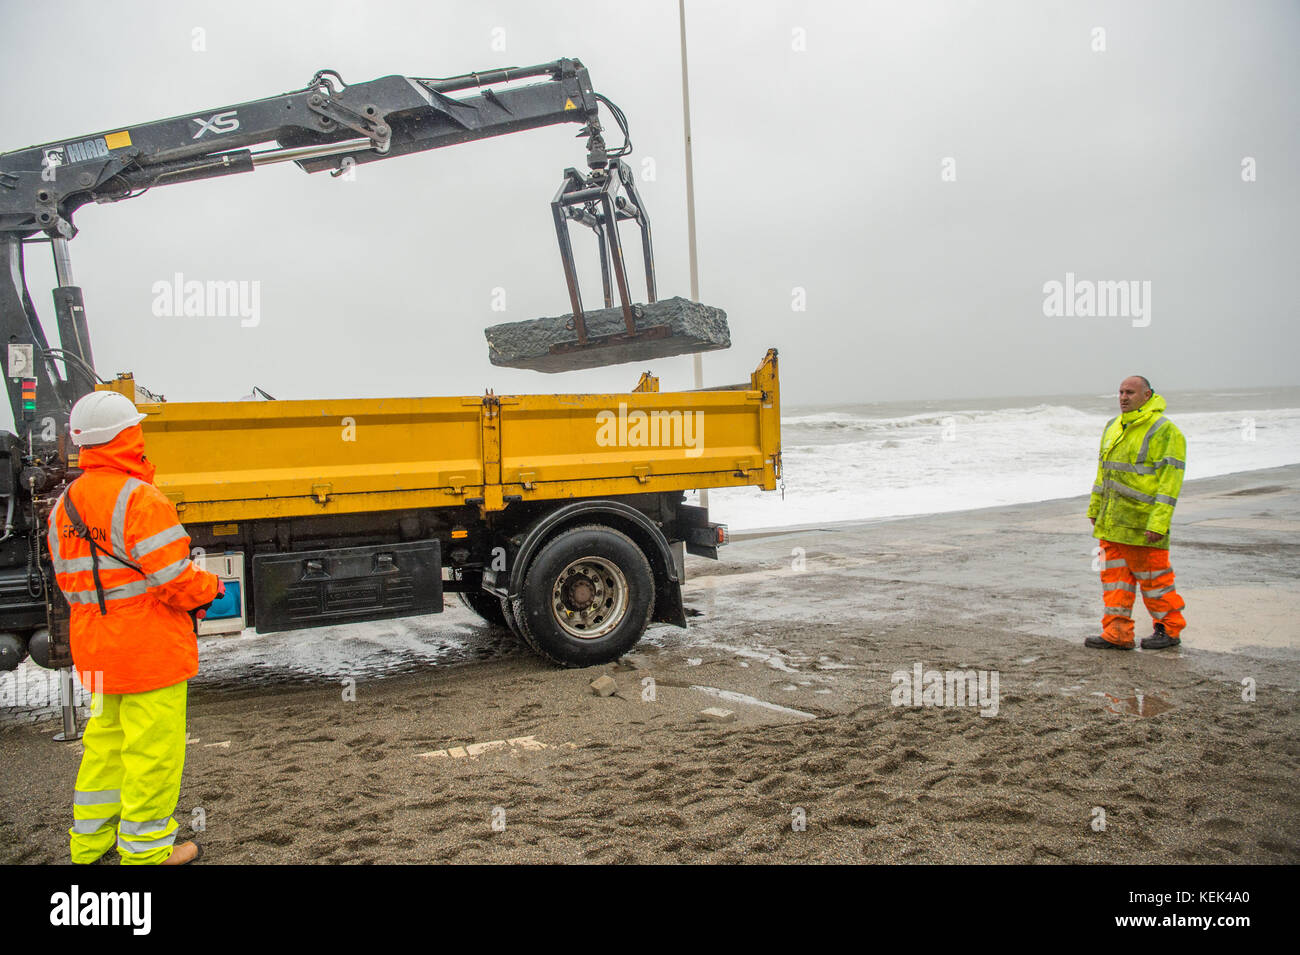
(580, 592)
(589, 597)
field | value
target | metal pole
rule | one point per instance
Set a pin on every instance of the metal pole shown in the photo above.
(70, 731)
(690, 206)
(295, 153)
(67, 694)
(62, 262)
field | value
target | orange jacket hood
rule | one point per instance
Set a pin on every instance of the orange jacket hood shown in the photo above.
(123, 453)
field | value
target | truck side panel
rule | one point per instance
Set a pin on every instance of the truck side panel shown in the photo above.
(549, 440)
(242, 461)
(233, 461)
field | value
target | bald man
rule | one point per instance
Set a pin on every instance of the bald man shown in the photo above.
(1139, 473)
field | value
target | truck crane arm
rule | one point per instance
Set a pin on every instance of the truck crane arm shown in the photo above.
(326, 125)
(323, 126)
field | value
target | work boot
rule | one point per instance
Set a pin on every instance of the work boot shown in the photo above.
(1101, 643)
(1159, 640)
(184, 854)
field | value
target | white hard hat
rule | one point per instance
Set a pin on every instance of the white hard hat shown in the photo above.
(101, 416)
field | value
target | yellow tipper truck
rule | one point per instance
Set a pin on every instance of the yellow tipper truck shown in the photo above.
(561, 516)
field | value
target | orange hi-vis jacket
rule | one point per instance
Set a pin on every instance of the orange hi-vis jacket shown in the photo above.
(145, 640)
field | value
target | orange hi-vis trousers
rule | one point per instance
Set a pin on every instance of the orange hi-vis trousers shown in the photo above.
(1125, 568)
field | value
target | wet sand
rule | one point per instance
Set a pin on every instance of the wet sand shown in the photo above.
(285, 769)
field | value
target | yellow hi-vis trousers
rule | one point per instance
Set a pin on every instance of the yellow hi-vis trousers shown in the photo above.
(130, 776)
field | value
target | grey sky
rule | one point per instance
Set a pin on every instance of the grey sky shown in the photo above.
(817, 168)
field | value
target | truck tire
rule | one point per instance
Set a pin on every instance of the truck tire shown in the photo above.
(587, 596)
(514, 610)
(486, 605)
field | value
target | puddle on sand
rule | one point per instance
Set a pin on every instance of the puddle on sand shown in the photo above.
(1140, 704)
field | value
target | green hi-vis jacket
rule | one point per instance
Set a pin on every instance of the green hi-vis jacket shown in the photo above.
(1139, 473)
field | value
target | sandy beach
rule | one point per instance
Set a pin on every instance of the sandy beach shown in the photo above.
(1090, 757)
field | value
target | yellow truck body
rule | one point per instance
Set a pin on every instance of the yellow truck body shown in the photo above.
(562, 517)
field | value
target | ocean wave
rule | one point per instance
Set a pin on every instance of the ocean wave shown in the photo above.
(837, 421)
(841, 466)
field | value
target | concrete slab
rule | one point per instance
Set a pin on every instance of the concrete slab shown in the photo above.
(692, 327)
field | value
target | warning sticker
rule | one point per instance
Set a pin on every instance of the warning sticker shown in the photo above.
(117, 140)
(568, 104)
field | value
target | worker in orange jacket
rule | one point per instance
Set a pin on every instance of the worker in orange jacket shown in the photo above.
(122, 559)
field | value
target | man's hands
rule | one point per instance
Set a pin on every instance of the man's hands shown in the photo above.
(1094, 521)
(202, 612)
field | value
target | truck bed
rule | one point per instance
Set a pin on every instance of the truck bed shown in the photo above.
(248, 460)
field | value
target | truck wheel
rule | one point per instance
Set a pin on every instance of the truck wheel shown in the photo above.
(587, 596)
(486, 605)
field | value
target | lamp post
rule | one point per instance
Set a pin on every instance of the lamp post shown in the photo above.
(698, 359)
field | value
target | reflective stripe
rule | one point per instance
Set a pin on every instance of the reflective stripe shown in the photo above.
(1120, 611)
(168, 573)
(1146, 438)
(1160, 615)
(1104, 432)
(114, 561)
(143, 828)
(1131, 588)
(1125, 491)
(1158, 592)
(52, 533)
(131, 845)
(133, 589)
(85, 827)
(96, 797)
(75, 564)
(117, 530)
(1112, 564)
(1151, 574)
(1096, 489)
(51, 536)
(1166, 499)
(60, 565)
(1145, 468)
(1133, 468)
(161, 539)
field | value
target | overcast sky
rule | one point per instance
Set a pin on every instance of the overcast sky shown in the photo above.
(822, 131)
